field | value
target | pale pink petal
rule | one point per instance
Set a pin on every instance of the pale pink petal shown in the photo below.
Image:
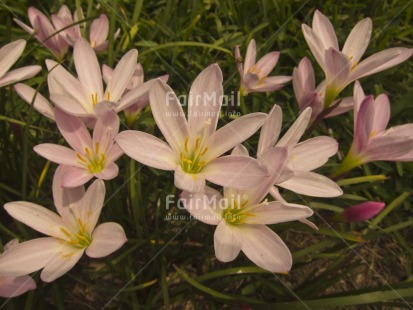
(381, 61)
(107, 73)
(250, 56)
(313, 153)
(99, 30)
(114, 153)
(388, 147)
(193, 183)
(70, 105)
(364, 124)
(344, 105)
(74, 131)
(87, 68)
(204, 206)
(110, 172)
(16, 286)
(234, 171)
(32, 97)
(147, 149)
(264, 248)
(234, 133)
(106, 239)
(57, 154)
(265, 65)
(303, 78)
(168, 114)
(275, 212)
(205, 98)
(324, 30)
(121, 76)
(358, 40)
(138, 93)
(29, 256)
(9, 55)
(75, 177)
(315, 44)
(271, 83)
(238, 58)
(240, 150)
(24, 26)
(358, 95)
(311, 184)
(227, 245)
(271, 129)
(294, 133)
(19, 75)
(92, 204)
(61, 263)
(106, 129)
(381, 113)
(337, 69)
(37, 217)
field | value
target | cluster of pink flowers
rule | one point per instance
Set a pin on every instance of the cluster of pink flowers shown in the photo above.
(195, 149)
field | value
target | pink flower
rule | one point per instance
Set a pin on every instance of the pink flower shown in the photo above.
(363, 211)
(45, 32)
(8, 56)
(372, 142)
(194, 147)
(91, 156)
(254, 76)
(15, 286)
(343, 67)
(71, 233)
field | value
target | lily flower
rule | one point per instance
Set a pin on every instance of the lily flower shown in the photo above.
(45, 32)
(372, 142)
(90, 156)
(308, 95)
(194, 146)
(363, 211)
(71, 233)
(132, 112)
(15, 286)
(79, 96)
(343, 67)
(303, 157)
(241, 217)
(8, 56)
(254, 76)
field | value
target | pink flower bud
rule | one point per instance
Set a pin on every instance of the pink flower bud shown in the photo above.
(363, 211)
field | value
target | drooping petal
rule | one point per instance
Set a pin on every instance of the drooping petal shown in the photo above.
(294, 133)
(106, 239)
(74, 177)
(276, 212)
(61, 263)
(193, 183)
(234, 171)
(121, 76)
(38, 218)
(204, 206)
(87, 67)
(324, 30)
(9, 55)
(32, 97)
(381, 61)
(57, 154)
(271, 129)
(168, 115)
(264, 248)
(205, 98)
(265, 65)
(29, 256)
(16, 286)
(147, 149)
(234, 133)
(250, 56)
(358, 40)
(227, 245)
(74, 131)
(313, 153)
(19, 75)
(311, 184)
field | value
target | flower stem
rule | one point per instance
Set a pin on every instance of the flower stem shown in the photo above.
(350, 161)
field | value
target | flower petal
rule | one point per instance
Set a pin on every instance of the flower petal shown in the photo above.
(358, 40)
(75, 177)
(311, 184)
(264, 248)
(294, 133)
(99, 30)
(9, 55)
(16, 286)
(324, 30)
(234, 171)
(315, 44)
(265, 65)
(341, 106)
(70, 105)
(227, 245)
(106, 129)
(364, 124)
(147, 149)
(168, 114)
(234, 133)
(271, 129)
(337, 69)
(106, 239)
(381, 113)
(19, 75)
(57, 154)
(62, 262)
(193, 183)
(110, 172)
(240, 150)
(32, 97)
(250, 56)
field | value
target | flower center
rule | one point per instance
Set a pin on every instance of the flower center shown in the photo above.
(81, 239)
(94, 160)
(236, 212)
(191, 158)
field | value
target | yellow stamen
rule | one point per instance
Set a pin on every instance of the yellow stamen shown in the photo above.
(80, 157)
(186, 145)
(63, 230)
(373, 133)
(204, 151)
